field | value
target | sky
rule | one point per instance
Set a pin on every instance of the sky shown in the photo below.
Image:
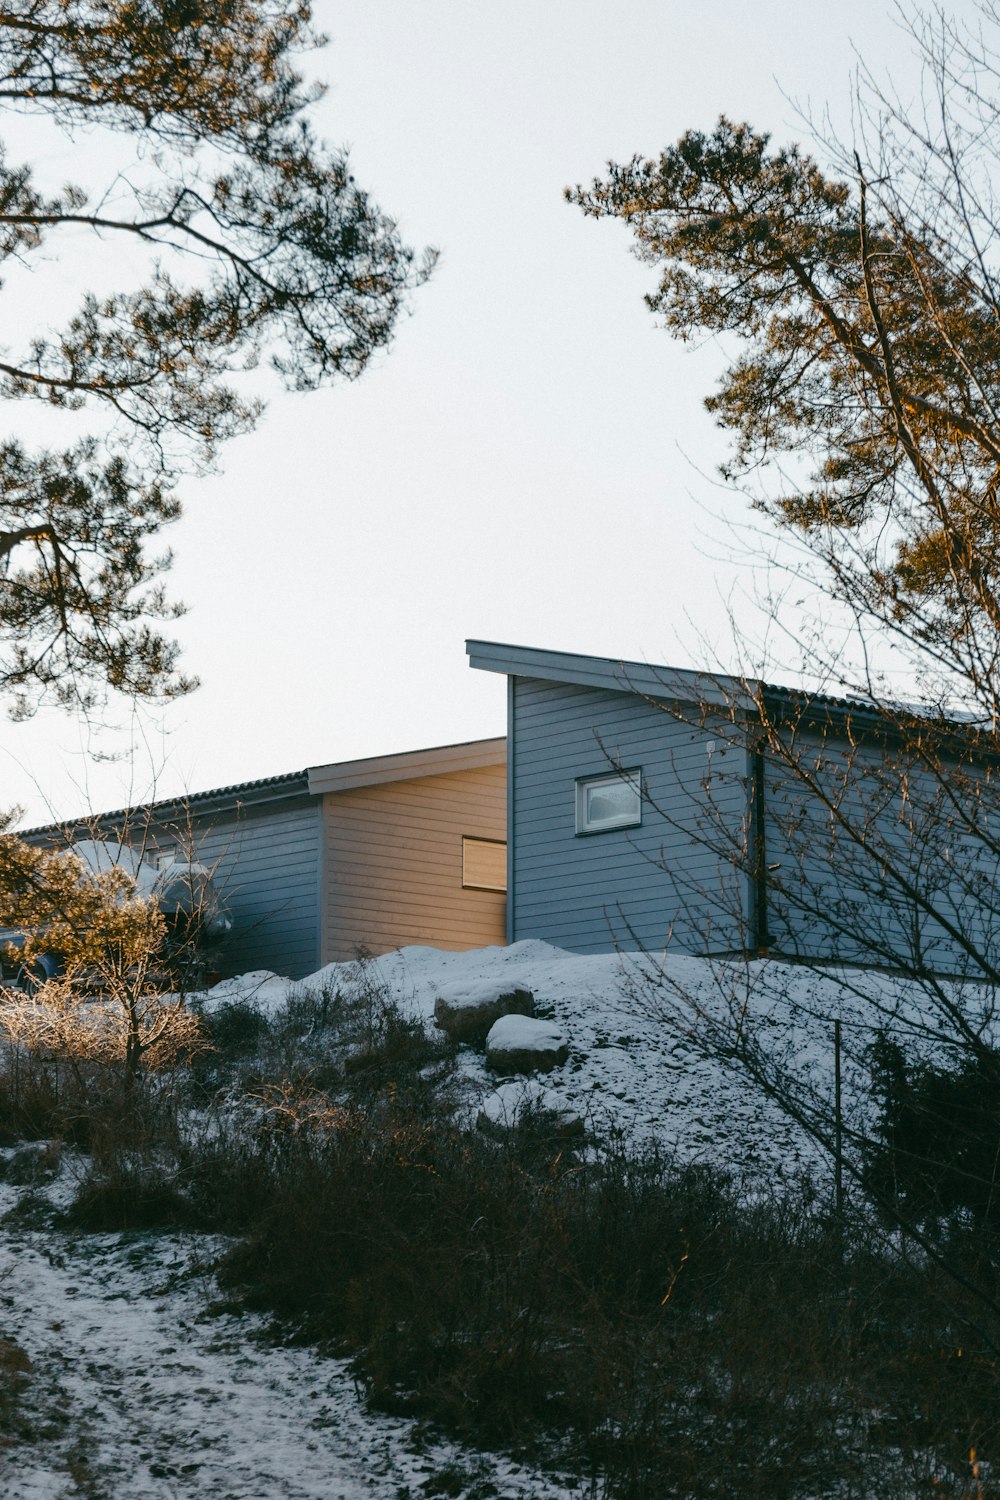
(529, 462)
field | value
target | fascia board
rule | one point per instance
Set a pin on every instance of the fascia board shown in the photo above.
(209, 807)
(199, 805)
(714, 690)
(348, 775)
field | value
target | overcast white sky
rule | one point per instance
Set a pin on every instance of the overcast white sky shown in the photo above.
(530, 462)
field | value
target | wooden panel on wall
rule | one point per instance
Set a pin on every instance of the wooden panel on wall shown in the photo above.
(394, 864)
(886, 861)
(266, 866)
(484, 864)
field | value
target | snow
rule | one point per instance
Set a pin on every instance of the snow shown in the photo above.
(472, 995)
(143, 1392)
(635, 1069)
(511, 1100)
(514, 1035)
(524, 1033)
(262, 988)
(100, 855)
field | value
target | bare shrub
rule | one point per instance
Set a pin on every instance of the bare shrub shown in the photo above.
(647, 1313)
(55, 1020)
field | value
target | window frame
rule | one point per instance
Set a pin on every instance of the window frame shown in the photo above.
(631, 776)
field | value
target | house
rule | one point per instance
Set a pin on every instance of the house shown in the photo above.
(315, 864)
(651, 808)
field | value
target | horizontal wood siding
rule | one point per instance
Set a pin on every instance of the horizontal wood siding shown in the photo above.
(668, 882)
(885, 861)
(267, 867)
(393, 858)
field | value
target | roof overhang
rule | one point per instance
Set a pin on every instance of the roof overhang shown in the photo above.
(741, 698)
(672, 684)
(176, 810)
(409, 765)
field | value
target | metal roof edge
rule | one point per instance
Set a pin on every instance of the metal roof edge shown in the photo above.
(676, 684)
(707, 689)
(242, 793)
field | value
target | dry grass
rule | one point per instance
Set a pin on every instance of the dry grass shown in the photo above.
(650, 1325)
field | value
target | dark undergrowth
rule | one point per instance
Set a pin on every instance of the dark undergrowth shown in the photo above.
(653, 1329)
(659, 1331)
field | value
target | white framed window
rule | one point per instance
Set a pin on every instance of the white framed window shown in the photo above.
(484, 864)
(610, 801)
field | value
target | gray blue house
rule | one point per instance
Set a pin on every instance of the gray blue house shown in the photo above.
(652, 808)
(315, 864)
(629, 805)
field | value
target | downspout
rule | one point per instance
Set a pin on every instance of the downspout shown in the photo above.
(760, 937)
(322, 870)
(510, 806)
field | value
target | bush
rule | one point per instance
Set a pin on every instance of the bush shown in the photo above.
(649, 1314)
(612, 1311)
(935, 1151)
(354, 1042)
(235, 1028)
(48, 1096)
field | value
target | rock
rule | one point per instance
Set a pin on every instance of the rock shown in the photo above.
(37, 1162)
(513, 1104)
(518, 1044)
(466, 1012)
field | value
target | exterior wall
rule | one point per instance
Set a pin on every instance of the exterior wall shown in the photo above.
(393, 859)
(887, 862)
(819, 902)
(266, 864)
(671, 880)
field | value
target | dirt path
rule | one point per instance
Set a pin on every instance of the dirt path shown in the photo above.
(136, 1391)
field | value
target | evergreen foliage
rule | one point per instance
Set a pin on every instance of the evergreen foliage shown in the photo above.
(935, 1151)
(261, 243)
(864, 396)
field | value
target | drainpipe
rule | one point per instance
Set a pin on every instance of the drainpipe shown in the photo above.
(759, 935)
(511, 681)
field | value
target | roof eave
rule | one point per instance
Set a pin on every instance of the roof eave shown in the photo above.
(671, 684)
(408, 765)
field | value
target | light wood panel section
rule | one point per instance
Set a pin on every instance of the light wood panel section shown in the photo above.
(393, 856)
(484, 864)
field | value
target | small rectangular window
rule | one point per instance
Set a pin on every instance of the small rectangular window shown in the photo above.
(612, 801)
(484, 864)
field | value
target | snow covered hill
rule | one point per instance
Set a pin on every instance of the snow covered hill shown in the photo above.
(136, 1390)
(637, 1064)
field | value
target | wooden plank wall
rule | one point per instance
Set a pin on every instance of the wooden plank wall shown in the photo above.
(655, 885)
(882, 864)
(393, 856)
(267, 866)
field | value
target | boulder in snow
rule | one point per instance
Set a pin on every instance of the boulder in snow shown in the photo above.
(512, 1103)
(519, 1044)
(465, 1012)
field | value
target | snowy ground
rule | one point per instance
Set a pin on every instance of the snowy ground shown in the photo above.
(140, 1390)
(636, 1066)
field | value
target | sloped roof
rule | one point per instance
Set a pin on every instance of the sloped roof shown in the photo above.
(311, 782)
(701, 688)
(265, 789)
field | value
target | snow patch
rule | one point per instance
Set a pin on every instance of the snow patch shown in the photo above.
(260, 987)
(507, 1106)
